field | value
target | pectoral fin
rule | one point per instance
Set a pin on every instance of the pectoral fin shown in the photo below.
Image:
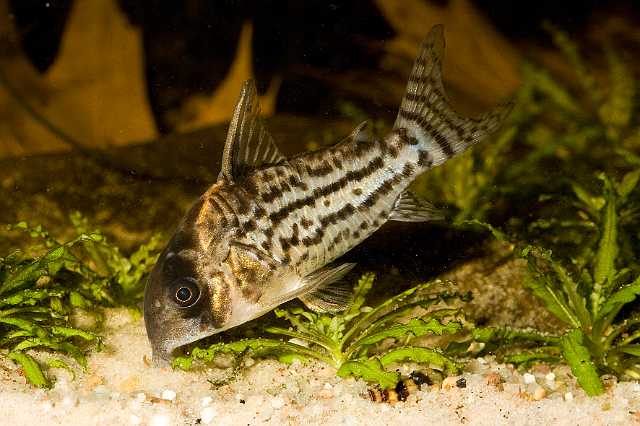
(251, 268)
(409, 208)
(327, 292)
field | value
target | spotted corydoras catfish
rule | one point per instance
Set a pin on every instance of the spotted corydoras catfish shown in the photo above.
(269, 229)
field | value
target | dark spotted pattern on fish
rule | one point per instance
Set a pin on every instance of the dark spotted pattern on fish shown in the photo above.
(269, 229)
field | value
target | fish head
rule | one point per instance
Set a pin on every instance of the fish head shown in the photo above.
(187, 295)
(203, 283)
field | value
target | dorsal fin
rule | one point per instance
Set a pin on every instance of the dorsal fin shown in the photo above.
(361, 133)
(249, 144)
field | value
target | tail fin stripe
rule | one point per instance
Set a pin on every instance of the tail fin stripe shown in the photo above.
(425, 113)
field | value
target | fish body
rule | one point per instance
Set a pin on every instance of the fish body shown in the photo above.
(270, 228)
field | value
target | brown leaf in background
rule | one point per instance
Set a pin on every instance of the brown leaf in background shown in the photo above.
(479, 62)
(95, 91)
(203, 110)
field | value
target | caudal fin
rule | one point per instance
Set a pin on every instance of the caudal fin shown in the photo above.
(425, 113)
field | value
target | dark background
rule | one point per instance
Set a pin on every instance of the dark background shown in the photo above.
(190, 44)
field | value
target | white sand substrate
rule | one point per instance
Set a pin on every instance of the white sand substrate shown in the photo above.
(120, 388)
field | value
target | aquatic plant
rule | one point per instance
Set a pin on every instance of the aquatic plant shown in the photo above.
(593, 293)
(351, 340)
(39, 294)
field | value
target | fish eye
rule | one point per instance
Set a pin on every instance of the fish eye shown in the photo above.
(186, 293)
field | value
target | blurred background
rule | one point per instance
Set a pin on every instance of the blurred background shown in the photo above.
(118, 108)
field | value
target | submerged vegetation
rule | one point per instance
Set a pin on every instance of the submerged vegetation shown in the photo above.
(560, 183)
(351, 341)
(587, 294)
(42, 290)
(580, 243)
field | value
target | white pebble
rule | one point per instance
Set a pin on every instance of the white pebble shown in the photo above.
(277, 402)
(135, 420)
(160, 420)
(168, 395)
(68, 402)
(207, 415)
(529, 378)
(328, 386)
(248, 362)
(568, 396)
(206, 401)
(141, 397)
(550, 377)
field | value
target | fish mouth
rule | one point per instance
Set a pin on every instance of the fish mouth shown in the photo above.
(162, 355)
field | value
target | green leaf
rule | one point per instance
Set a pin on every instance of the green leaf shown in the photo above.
(577, 355)
(258, 346)
(628, 183)
(395, 302)
(604, 269)
(553, 299)
(58, 363)
(629, 349)
(415, 327)
(360, 292)
(432, 357)
(31, 368)
(617, 300)
(182, 362)
(505, 335)
(526, 359)
(370, 370)
(593, 203)
(497, 234)
(26, 325)
(73, 332)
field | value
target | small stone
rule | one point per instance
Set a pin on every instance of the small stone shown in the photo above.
(69, 402)
(129, 385)
(328, 386)
(529, 378)
(160, 420)
(101, 390)
(141, 397)
(93, 381)
(493, 379)
(449, 382)
(568, 396)
(249, 362)
(461, 383)
(207, 415)
(550, 377)
(277, 402)
(539, 393)
(420, 378)
(206, 401)
(168, 395)
(609, 380)
(325, 394)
